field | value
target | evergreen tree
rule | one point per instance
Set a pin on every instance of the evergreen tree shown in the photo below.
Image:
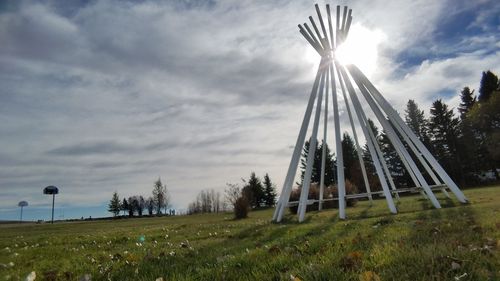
(315, 173)
(485, 119)
(269, 191)
(330, 166)
(467, 101)
(415, 119)
(489, 83)
(445, 130)
(124, 206)
(350, 156)
(316, 169)
(469, 138)
(396, 167)
(371, 172)
(254, 191)
(114, 204)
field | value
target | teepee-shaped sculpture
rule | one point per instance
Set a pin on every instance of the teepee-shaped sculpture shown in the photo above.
(331, 77)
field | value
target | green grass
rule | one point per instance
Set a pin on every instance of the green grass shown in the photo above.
(420, 243)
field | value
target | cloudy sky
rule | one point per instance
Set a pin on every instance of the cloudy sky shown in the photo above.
(103, 96)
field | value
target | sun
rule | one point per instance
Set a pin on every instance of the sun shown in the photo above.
(361, 48)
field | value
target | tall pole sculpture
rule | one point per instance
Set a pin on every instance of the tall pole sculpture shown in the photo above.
(51, 190)
(325, 40)
(22, 204)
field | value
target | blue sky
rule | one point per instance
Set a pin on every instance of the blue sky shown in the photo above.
(103, 96)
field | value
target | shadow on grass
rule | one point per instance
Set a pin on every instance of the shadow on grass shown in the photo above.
(439, 246)
(318, 246)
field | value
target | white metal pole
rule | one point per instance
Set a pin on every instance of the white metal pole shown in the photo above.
(395, 140)
(322, 24)
(292, 168)
(304, 193)
(406, 130)
(330, 27)
(381, 158)
(337, 28)
(418, 154)
(348, 25)
(323, 153)
(380, 155)
(313, 43)
(358, 109)
(323, 43)
(53, 200)
(338, 146)
(356, 141)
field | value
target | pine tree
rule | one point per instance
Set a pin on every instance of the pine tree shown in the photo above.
(254, 191)
(315, 173)
(396, 167)
(114, 204)
(467, 101)
(415, 119)
(445, 130)
(316, 169)
(350, 156)
(269, 191)
(469, 138)
(124, 206)
(489, 83)
(371, 172)
(330, 167)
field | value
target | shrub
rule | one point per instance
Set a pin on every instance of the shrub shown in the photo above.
(241, 207)
(329, 192)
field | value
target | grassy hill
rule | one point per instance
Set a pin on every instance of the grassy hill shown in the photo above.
(458, 242)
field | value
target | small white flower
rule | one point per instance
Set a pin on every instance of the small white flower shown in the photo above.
(31, 276)
(457, 278)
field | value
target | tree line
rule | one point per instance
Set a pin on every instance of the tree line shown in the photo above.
(255, 193)
(465, 142)
(137, 204)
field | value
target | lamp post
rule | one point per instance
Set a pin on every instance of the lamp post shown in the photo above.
(51, 190)
(22, 204)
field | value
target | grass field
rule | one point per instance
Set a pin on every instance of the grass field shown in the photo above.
(458, 242)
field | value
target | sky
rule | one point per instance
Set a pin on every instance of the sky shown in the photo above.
(104, 96)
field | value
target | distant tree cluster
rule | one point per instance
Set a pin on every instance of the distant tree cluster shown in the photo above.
(465, 145)
(137, 204)
(207, 201)
(255, 193)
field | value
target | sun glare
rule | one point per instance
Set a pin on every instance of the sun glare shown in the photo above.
(360, 48)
